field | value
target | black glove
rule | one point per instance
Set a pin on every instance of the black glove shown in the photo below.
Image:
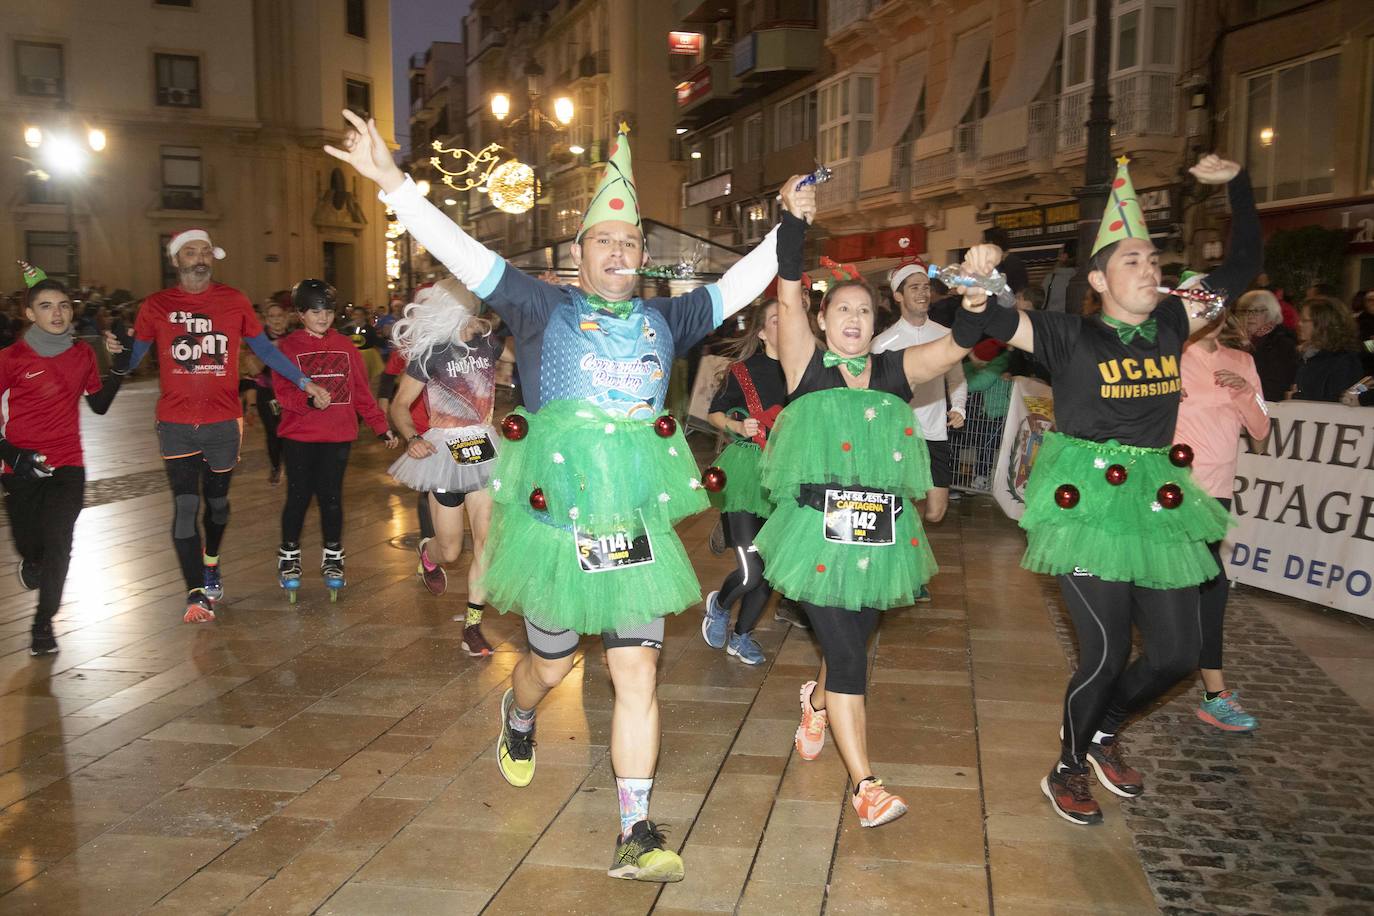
(23, 462)
(791, 242)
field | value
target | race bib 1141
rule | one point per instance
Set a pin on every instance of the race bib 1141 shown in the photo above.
(860, 517)
(472, 449)
(613, 550)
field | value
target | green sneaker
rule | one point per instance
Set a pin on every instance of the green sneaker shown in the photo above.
(642, 857)
(514, 749)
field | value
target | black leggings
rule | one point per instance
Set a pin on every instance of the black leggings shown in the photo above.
(1214, 593)
(745, 584)
(314, 469)
(190, 479)
(42, 517)
(270, 420)
(844, 644)
(1105, 689)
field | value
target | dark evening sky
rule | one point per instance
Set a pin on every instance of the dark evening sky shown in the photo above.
(414, 25)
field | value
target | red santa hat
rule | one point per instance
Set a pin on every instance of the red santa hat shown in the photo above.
(179, 240)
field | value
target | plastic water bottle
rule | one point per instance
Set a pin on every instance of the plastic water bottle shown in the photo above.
(994, 283)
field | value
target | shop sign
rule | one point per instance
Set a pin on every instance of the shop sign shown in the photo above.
(1058, 222)
(686, 43)
(694, 88)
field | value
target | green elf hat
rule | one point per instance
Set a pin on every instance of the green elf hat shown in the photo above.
(615, 197)
(32, 275)
(1123, 218)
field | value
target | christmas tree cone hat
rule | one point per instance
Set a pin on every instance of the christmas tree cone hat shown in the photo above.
(615, 197)
(1123, 218)
(32, 275)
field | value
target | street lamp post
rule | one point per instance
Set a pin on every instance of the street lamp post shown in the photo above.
(1097, 164)
(564, 111)
(64, 156)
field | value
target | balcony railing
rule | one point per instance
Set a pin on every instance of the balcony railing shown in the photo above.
(841, 190)
(968, 138)
(933, 170)
(1142, 103)
(594, 63)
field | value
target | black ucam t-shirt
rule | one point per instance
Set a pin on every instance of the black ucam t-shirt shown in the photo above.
(1105, 389)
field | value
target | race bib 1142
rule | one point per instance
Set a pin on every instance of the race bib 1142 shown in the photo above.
(860, 517)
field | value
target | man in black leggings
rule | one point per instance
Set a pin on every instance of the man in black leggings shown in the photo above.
(197, 327)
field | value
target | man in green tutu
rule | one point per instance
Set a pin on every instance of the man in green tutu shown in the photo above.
(594, 475)
(1111, 506)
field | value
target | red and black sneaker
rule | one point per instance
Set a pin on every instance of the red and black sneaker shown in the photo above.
(1115, 774)
(1070, 792)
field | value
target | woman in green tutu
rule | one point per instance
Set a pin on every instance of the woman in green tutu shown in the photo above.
(749, 400)
(845, 465)
(1112, 509)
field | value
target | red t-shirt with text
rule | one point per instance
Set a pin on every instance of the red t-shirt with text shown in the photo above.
(42, 399)
(197, 337)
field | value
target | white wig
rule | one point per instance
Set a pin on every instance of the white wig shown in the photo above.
(439, 316)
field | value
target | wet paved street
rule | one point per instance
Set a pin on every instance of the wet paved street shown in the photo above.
(338, 758)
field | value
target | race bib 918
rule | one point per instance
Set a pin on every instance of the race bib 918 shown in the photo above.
(860, 517)
(472, 450)
(614, 550)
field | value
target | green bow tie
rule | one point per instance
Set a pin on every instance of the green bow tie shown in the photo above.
(618, 309)
(1147, 330)
(855, 364)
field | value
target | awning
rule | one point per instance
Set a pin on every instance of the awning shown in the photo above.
(1037, 41)
(970, 54)
(875, 170)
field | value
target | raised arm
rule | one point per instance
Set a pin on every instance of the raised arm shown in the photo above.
(929, 360)
(796, 343)
(468, 260)
(1245, 253)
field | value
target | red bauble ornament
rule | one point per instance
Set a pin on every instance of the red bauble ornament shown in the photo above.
(1116, 475)
(665, 426)
(1066, 496)
(713, 479)
(1170, 495)
(538, 501)
(515, 427)
(1181, 456)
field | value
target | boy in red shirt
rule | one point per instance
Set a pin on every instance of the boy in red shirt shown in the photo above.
(316, 442)
(42, 378)
(198, 326)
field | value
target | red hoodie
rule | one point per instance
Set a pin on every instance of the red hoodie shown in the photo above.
(333, 363)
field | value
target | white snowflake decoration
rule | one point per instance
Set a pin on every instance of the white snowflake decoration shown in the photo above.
(558, 458)
(695, 484)
(496, 483)
(672, 450)
(574, 512)
(896, 456)
(863, 563)
(1156, 507)
(1099, 463)
(870, 414)
(663, 497)
(610, 428)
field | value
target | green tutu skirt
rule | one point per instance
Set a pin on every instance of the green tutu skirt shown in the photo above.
(850, 439)
(1121, 533)
(607, 482)
(744, 490)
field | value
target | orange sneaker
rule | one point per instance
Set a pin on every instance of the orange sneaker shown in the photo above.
(875, 805)
(198, 607)
(811, 732)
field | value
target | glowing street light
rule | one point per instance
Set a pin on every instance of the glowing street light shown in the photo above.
(95, 137)
(577, 149)
(563, 110)
(500, 105)
(33, 136)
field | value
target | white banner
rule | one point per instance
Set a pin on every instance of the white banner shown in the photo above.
(1305, 507)
(1029, 416)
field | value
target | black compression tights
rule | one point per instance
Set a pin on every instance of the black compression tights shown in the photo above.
(191, 478)
(746, 583)
(1214, 594)
(843, 636)
(1105, 689)
(314, 470)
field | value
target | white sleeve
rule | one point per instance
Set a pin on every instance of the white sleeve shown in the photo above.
(466, 258)
(750, 276)
(958, 388)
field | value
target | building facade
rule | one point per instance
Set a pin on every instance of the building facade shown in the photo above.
(602, 56)
(213, 115)
(438, 114)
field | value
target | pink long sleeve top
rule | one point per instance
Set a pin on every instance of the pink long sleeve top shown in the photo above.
(1211, 416)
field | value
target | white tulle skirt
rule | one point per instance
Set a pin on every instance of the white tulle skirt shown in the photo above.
(452, 467)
